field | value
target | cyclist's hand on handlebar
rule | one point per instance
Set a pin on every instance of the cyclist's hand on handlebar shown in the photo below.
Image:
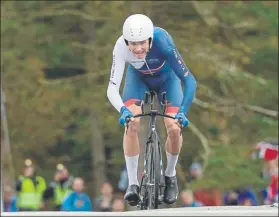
(125, 114)
(181, 119)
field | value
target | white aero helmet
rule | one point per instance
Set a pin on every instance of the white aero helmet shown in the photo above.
(138, 27)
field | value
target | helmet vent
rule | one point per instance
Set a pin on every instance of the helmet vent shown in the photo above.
(140, 31)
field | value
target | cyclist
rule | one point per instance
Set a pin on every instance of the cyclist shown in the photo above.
(154, 63)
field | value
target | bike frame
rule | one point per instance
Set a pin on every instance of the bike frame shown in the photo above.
(152, 124)
(152, 144)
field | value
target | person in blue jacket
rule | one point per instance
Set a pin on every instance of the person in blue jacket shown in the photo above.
(247, 196)
(77, 200)
(244, 196)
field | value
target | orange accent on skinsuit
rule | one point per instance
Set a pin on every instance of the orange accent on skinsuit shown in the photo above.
(130, 102)
(172, 109)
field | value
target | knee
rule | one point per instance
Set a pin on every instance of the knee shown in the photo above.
(135, 124)
(173, 129)
(134, 127)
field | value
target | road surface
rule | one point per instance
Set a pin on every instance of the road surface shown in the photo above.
(269, 210)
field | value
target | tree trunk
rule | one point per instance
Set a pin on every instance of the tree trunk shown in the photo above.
(97, 143)
(98, 155)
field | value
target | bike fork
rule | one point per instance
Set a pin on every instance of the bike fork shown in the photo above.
(144, 181)
(144, 177)
(162, 180)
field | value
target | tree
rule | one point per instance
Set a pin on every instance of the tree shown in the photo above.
(56, 59)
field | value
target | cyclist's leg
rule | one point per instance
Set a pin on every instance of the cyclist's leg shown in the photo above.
(174, 97)
(133, 92)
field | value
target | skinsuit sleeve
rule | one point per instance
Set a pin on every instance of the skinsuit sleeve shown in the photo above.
(116, 75)
(167, 46)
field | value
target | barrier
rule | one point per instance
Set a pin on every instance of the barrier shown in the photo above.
(269, 210)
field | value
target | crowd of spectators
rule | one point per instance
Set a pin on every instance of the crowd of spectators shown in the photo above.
(67, 193)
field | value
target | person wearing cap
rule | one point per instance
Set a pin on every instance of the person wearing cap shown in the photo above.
(60, 187)
(30, 188)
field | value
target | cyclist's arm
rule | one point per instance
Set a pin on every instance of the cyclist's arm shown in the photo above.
(116, 75)
(179, 67)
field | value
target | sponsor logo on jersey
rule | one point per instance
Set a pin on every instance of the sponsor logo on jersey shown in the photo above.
(113, 67)
(175, 53)
(180, 61)
(152, 61)
(112, 82)
(186, 74)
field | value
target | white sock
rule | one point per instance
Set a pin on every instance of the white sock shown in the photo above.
(132, 169)
(171, 164)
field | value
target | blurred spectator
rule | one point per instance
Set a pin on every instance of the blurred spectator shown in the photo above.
(123, 181)
(209, 197)
(104, 201)
(188, 199)
(118, 205)
(247, 197)
(9, 200)
(195, 172)
(270, 193)
(77, 200)
(231, 198)
(60, 187)
(268, 151)
(247, 202)
(30, 188)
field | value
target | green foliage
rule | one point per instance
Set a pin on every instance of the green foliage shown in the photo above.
(269, 127)
(50, 119)
(265, 59)
(263, 13)
(231, 163)
(63, 54)
(268, 11)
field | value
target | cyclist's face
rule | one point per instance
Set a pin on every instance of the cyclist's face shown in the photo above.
(140, 48)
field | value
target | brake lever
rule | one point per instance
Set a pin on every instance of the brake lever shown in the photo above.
(163, 108)
(164, 102)
(180, 122)
(142, 107)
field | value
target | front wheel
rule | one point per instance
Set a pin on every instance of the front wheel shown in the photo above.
(153, 174)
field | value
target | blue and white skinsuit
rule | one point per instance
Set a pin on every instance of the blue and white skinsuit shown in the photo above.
(161, 70)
